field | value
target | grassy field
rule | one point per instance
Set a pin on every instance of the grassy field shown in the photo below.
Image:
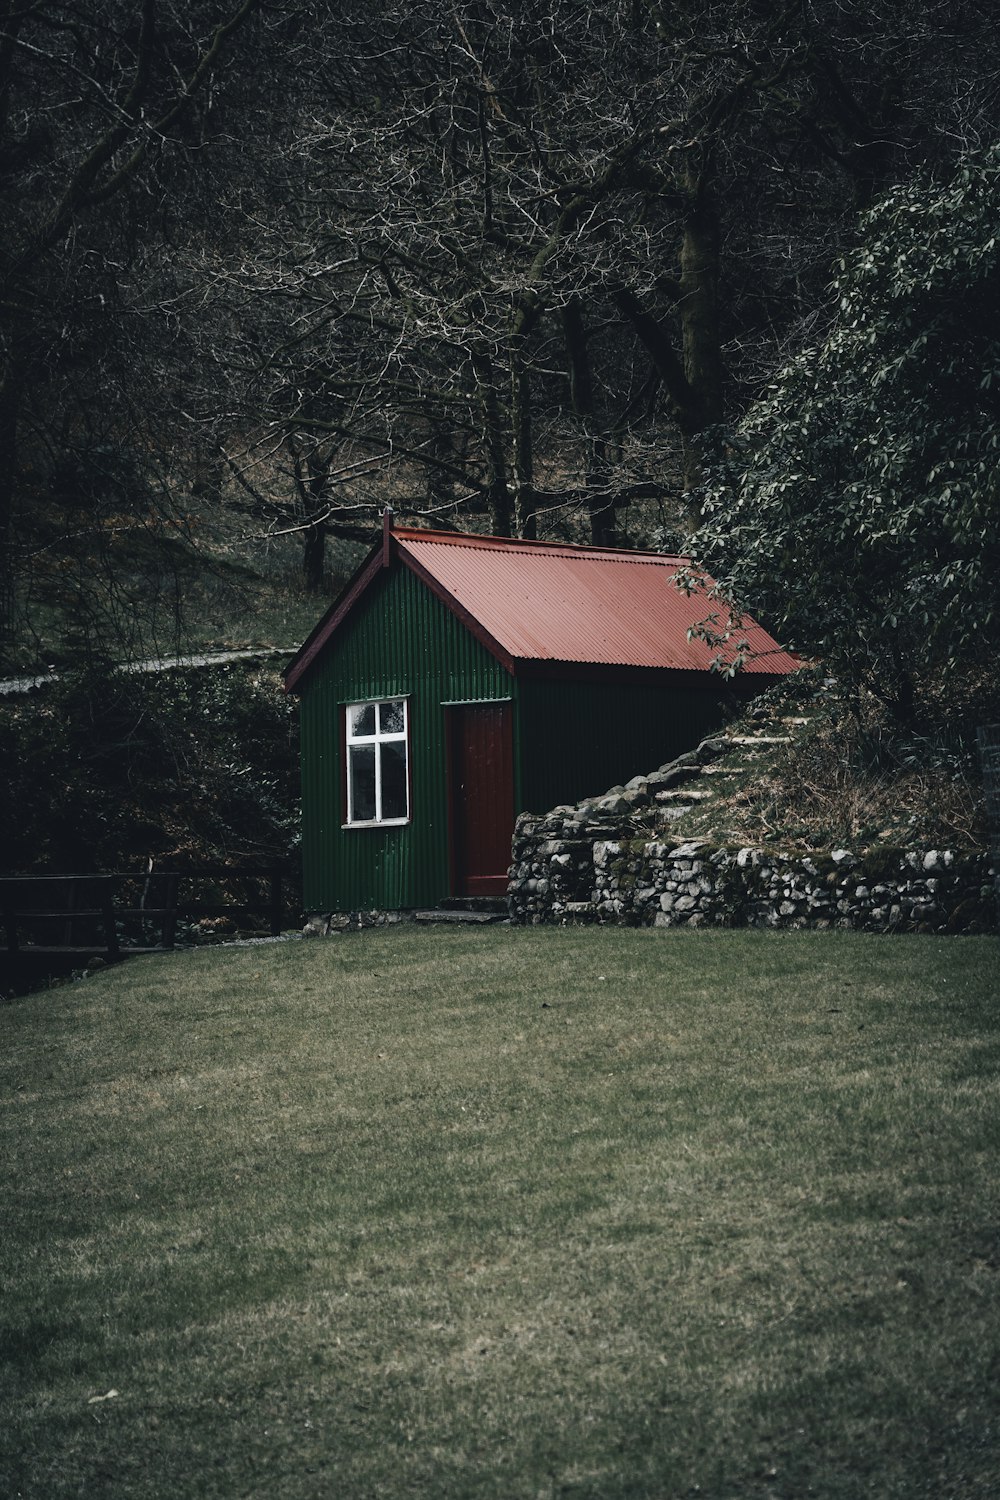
(507, 1213)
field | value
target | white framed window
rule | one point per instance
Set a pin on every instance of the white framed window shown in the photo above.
(378, 772)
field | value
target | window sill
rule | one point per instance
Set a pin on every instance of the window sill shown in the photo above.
(384, 823)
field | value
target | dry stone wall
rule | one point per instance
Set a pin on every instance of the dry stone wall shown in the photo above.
(592, 864)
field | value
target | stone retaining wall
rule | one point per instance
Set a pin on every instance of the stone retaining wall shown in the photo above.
(613, 859)
(565, 871)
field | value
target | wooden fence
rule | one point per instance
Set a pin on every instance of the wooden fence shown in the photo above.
(989, 755)
(111, 916)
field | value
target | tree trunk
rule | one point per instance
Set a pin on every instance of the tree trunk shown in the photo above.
(9, 406)
(440, 486)
(699, 309)
(522, 465)
(311, 472)
(493, 436)
(597, 479)
(314, 557)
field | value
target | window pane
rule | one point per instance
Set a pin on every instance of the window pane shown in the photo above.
(361, 719)
(394, 780)
(390, 717)
(361, 769)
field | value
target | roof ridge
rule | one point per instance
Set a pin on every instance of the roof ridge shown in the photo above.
(526, 544)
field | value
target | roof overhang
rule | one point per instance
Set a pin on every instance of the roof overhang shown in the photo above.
(315, 642)
(421, 551)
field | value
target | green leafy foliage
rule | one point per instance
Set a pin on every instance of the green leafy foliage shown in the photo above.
(107, 769)
(856, 506)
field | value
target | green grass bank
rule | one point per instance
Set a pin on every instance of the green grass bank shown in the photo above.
(507, 1213)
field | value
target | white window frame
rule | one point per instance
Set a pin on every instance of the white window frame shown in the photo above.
(377, 740)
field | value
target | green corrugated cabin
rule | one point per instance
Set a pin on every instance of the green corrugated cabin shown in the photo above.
(461, 679)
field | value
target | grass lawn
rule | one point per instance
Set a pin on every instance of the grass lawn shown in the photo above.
(507, 1213)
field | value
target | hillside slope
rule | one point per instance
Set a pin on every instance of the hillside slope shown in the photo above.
(804, 769)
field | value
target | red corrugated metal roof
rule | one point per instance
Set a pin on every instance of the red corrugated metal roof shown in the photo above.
(544, 602)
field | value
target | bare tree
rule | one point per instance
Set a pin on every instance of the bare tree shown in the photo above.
(503, 265)
(528, 258)
(97, 104)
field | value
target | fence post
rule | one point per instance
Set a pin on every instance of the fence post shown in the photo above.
(10, 916)
(989, 757)
(170, 914)
(276, 912)
(70, 887)
(108, 913)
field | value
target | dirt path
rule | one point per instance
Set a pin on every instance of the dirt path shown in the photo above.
(13, 686)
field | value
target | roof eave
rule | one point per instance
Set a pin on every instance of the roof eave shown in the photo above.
(379, 558)
(463, 615)
(535, 667)
(341, 607)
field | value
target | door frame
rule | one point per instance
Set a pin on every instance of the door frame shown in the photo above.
(452, 718)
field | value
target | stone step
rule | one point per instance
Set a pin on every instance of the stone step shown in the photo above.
(473, 918)
(751, 741)
(689, 794)
(474, 903)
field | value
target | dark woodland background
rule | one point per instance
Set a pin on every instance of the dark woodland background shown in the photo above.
(719, 278)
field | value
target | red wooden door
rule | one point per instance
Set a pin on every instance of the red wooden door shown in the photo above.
(481, 797)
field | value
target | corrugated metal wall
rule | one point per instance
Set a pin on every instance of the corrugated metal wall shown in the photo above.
(400, 641)
(580, 737)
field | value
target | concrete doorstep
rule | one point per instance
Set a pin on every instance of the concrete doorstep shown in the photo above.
(442, 914)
